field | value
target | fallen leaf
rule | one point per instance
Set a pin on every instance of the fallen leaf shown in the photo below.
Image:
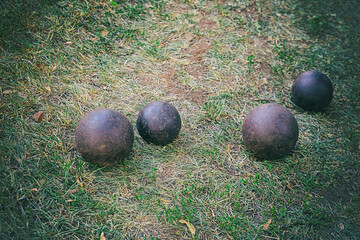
(68, 43)
(189, 225)
(74, 191)
(164, 201)
(212, 212)
(288, 186)
(38, 116)
(34, 190)
(104, 33)
(341, 226)
(80, 183)
(48, 88)
(248, 174)
(102, 236)
(266, 225)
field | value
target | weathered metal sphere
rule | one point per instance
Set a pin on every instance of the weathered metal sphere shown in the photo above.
(270, 131)
(104, 137)
(312, 91)
(159, 123)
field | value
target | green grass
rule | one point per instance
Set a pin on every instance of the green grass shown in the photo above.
(214, 61)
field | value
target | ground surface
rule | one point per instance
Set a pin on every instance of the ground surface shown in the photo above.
(214, 61)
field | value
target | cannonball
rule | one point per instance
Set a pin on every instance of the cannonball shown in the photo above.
(312, 91)
(104, 137)
(159, 123)
(270, 131)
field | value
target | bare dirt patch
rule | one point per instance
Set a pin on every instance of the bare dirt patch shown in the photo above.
(165, 172)
(168, 80)
(196, 69)
(176, 87)
(206, 24)
(197, 49)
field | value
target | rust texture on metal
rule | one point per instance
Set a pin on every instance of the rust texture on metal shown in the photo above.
(159, 123)
(270, 131)
(104, 137)
(312, 91)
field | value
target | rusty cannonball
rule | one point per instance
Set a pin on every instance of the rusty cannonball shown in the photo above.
(104, 137)
(312, 91)
(159, 123)
(270, 131)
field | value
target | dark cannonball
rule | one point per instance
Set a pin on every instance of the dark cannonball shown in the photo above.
(312, 91)
(104, 137)
(159, 123)
(270, 131)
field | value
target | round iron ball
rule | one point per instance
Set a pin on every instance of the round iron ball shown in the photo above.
(104, 137)
(312, 91)
(270, 131)
(158, 123)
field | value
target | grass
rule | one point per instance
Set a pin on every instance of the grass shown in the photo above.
(214, 61)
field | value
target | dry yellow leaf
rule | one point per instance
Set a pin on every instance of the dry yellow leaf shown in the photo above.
(48, 88)
(104, 33)
(80, 183)
(8, 92)
(189, 225)
(266, 225)
(164, 201)
(341, 226)
(288, 186)
(102, 236)
(72, 191)
(38, 116)
(34, 190)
